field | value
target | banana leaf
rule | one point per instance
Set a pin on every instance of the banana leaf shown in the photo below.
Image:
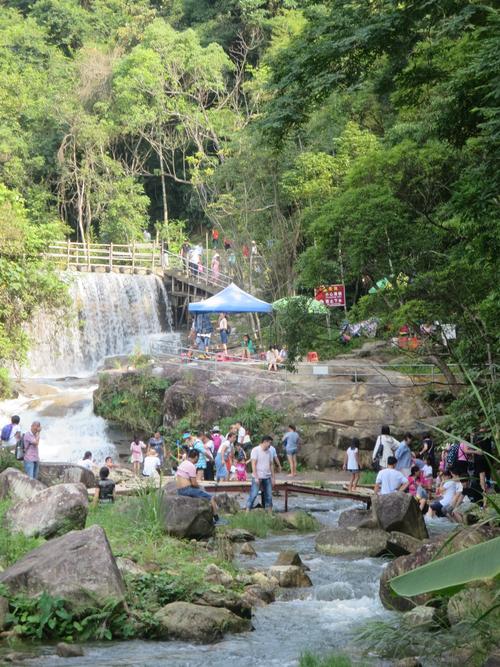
(481, 561)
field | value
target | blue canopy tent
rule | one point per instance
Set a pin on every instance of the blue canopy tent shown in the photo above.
(231, 299)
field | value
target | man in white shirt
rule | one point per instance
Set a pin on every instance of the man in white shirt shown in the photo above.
(451, 492)
(241, 433)
(151, 464)
(11, 433)
(262, 474)
(389, 479)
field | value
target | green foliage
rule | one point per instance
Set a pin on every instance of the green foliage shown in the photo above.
(134, 400)
(8, 460)
(451, 572)
(312, 660)
(47, 618)
(258, 522)
(5, 384)
(367, 477)
(258, 420)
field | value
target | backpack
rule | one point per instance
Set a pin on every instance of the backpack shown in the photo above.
(6, 432)
(452, 456)
(228, 329)
(20, 449)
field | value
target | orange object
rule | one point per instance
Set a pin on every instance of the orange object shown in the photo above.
(411, 343)
(312, 356)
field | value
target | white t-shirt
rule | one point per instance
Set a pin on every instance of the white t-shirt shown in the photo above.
(241, 435)
(450, 489)
(151, 463)
(390, 480)
(264, 460)
(85, 463)
(427, 471)
(352, 464)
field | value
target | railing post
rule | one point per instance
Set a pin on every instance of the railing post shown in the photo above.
(133, 256)
(153, 256)
(69, 254)
(110, 256)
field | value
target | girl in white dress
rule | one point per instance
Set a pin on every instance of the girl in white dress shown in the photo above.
(351, 463)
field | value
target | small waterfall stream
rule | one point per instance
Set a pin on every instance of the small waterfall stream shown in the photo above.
(111, 314)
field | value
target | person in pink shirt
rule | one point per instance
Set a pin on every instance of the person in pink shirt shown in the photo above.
(187, 482)
(136, 448)
(31, 441)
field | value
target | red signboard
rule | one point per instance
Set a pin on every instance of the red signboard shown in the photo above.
(330, 295)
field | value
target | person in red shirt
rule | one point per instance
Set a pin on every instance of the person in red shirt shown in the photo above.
(215, 238)
(246, 251)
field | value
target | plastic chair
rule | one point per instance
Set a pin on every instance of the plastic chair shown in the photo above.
(312, 357)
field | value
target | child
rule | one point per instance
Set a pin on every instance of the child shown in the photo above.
(351, 463)
(241, 464)
(427, 474)
(136, 447)
(272, 362)
(248, 347)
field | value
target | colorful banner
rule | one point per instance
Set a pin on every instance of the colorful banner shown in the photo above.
(330, 295)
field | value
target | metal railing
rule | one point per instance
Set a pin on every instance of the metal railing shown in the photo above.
(133, 257)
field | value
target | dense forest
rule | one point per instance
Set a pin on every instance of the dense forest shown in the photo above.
(353, 141)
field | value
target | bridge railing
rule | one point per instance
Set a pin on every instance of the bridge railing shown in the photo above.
(135, 256)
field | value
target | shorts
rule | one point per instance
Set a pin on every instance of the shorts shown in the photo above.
(291, 452)
(194, 492)
(224, 336)
(481, 464)
(462, 468)
(353, 470)
(440, 509)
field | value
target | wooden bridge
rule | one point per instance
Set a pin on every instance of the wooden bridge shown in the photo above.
(184, 283)
(132, 258)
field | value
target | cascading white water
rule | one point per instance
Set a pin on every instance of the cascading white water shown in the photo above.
(111, 314)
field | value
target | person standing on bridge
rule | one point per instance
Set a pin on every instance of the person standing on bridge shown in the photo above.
(351, 463)
(215, 266)
(215, 238)
(385, 447)
(262, 474)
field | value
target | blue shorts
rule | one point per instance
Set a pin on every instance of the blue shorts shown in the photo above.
(194, 492)
(291, 452)
(224, 336)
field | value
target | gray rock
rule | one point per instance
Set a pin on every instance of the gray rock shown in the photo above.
(4, 610)
(493, 660)
(216, 575)
(345, 541)
(290, 576)
(239, 535)
(408, 662)
(470, 603)
(18, 486)
(258, 596)
(54, 511)
(400, 511)
(400, 544)
(420, 618)
(467, 537)
(65, 650)
(78, 567)
(357, 518)
(63, 473)
(198, 623)
(290, 558)
(248, 550)
(184, 517)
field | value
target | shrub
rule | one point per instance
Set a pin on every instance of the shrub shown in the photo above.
(8, 460)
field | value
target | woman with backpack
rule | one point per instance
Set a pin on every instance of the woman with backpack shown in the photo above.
(385, 446)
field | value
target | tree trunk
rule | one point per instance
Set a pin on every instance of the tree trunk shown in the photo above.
(447, 372)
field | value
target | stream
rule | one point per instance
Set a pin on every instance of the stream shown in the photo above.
(321, 619)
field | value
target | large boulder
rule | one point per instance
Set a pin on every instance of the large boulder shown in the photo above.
(54, 511)
(399, 511)
(471, 603)
(347, 541)
(18, 486)
(197, 623)
(400, 544)
(227, 503)
(290, 576)
(238, 535)
(443, 546)
(290, 558)
(62, 473)
(216, 575)
(186, 517)
(78, 567)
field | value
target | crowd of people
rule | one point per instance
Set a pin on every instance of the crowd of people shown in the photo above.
(201, 339)
(441, 484)
(197, 261)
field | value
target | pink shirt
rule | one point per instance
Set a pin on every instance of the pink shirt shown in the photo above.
(186, 470)
(30, 447)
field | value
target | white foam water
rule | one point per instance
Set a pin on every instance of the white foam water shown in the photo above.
(110, 314)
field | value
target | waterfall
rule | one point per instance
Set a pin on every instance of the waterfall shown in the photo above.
(110, 314)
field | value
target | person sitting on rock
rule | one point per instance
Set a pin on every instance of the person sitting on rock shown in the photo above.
(389, 479)
(187, 482)
(151, 464)
(105, 490)
(108, 462)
